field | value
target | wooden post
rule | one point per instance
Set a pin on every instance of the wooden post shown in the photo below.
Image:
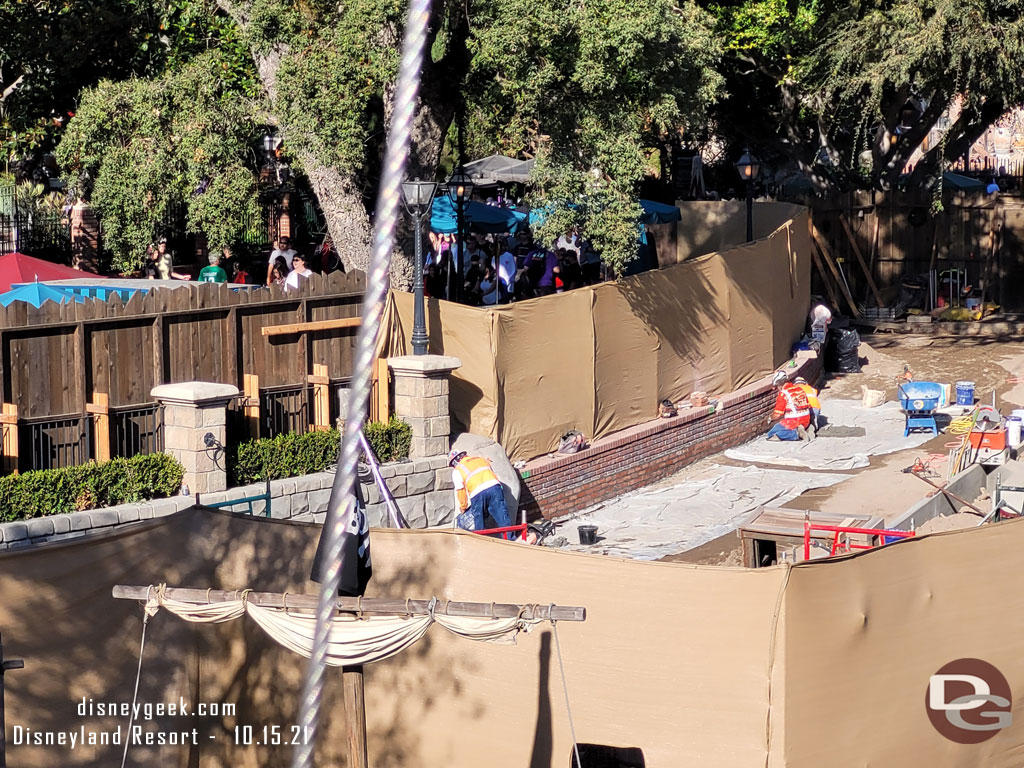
(251, 390)
(355, 716)
(100, 410)
(9, 422)
(5, 664)
(383, 393)
(321, 397)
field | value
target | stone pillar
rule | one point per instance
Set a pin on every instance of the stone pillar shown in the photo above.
(193, 410)
(421, 399)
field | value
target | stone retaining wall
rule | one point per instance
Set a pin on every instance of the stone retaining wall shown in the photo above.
(422, 489)
(558, 485)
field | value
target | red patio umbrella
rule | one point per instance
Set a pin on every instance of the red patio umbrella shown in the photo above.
(19, 268)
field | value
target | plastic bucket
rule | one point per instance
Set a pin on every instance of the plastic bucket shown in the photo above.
(588, 534)
(1018, 412)
(1013, 428)
(965, 393)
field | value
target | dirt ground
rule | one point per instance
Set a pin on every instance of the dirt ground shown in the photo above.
(883, 488)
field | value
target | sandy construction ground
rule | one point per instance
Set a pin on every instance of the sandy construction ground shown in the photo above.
(883, 488)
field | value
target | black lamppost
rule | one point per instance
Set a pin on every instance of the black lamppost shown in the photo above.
(418, 197)
(749, 167)
(460, 187)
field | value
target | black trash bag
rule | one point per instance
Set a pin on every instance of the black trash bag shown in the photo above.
(841, 351)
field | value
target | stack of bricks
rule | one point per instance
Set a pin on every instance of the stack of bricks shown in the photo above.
(643, 454)
(421, 400)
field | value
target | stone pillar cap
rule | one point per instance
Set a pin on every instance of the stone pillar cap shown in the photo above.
(194, 393)
(424, 364)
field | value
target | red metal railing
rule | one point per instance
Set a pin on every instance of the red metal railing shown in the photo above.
(520, 529)
(840, 529)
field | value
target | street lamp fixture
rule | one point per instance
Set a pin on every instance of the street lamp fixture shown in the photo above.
(460, 188)
(749, 167)
(418, 197)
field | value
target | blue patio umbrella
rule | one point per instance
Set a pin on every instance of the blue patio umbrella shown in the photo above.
(478, 217)
(659, 213)
(35, 294)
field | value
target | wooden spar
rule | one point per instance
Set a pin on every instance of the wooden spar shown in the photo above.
(313, 325)
(352, 677)
(5, 664)
(364, 605)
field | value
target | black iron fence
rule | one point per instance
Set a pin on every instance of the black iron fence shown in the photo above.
(51, 442)
(284, 410)
(136, 429)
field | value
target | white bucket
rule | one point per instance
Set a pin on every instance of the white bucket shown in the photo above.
(1018, 412)
(1013, 429)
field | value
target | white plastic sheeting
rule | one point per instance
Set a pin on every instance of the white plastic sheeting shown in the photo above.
(650, 524)
(883, 428)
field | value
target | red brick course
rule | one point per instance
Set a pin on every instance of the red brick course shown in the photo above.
(556, 485)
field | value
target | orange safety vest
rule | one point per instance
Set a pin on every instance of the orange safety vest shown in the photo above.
(812, 395)
(797, 409)
(477, 475)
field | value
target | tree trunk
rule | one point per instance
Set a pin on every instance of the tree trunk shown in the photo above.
(341, 194)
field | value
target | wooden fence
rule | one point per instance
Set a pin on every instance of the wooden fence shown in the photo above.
(76, 377)
(898, 239)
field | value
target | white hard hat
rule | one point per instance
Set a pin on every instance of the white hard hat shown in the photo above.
(779, 378)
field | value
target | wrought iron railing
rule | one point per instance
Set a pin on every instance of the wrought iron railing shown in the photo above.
(284, 410)
(136, 429)
(51, 442)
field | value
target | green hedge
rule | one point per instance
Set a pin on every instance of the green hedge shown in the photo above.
(92, 485)
(292, 455)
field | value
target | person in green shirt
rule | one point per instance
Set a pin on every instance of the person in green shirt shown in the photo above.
(213, 273)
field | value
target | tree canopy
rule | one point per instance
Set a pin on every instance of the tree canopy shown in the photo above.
(839, 91)
(845, 92)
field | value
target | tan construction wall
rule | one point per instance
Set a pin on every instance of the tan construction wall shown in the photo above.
(818, 664)
(599, 359)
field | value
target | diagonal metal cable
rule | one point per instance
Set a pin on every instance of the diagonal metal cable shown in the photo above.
(341, 507)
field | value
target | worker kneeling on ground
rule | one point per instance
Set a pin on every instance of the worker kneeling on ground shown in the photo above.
(478, 491)
(812, 401)
(792, 411)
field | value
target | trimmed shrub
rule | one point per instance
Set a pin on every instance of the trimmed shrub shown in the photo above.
(88, 486)
(390, 440)
(291, 455)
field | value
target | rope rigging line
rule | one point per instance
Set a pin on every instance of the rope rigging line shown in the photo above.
(565, 690)
(341, 507)
(135, 694)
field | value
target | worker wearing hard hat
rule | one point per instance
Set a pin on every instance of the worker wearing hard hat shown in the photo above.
(477, 491)
(792, 411)
(812, 401)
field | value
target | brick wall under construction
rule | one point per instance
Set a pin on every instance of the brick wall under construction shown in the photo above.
(641, 455)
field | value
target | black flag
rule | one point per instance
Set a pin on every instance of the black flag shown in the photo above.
(355, 551)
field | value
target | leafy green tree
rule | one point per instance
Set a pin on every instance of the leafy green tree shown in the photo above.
(51, 49)
(585, 88)
(845, 92)
(144, 146)
(579, 86)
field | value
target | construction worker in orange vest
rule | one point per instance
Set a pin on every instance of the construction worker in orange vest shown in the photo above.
(478, 491)
(791, 409)
(812, 401)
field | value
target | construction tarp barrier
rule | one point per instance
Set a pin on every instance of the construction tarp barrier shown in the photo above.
(864, 635)
(671, 659)
(822, 664)
(599, 359)
(713, 226)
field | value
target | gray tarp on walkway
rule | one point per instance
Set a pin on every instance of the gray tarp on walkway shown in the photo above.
(649, 524)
